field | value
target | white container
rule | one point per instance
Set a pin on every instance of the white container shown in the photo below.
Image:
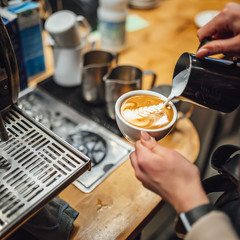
(68, 64)
(114, 5)
(112, 24)
(112, 27)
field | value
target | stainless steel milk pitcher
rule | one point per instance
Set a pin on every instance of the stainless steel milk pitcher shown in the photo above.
(96, 63)
(212, 83)
(122, 79)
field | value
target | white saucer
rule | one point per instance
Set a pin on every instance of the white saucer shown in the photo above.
(204, 17)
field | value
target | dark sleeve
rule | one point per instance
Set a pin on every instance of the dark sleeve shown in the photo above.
(214, 225)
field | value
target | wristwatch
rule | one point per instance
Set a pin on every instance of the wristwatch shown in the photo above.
(190, 217)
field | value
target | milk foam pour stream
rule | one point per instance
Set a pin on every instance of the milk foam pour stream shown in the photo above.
(178, 84)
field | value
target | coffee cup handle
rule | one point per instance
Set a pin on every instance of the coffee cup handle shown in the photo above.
(154, 76)
(82, 21)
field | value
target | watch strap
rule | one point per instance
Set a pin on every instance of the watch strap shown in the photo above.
(196, 213)
(187, 219)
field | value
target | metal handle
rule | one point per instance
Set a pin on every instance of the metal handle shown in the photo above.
(84, 23)
(154, 76)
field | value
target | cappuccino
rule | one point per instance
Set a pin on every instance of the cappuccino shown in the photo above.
(146, 111)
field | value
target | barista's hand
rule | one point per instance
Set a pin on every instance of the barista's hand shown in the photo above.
(167, 173)
(225, 32)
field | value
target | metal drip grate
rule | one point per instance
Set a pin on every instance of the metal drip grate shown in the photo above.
(35, 165)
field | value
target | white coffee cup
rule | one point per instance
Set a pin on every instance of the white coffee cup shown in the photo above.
(131, 132)
(64, 28)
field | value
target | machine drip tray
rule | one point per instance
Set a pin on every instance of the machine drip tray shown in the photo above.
(72, 97)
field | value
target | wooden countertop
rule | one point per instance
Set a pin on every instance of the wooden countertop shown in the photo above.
(120, 207)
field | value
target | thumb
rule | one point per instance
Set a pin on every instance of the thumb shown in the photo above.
(150, 143)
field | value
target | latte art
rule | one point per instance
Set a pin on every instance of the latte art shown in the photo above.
(146, 111)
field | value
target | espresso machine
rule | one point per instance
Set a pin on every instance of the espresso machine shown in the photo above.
(35, 164)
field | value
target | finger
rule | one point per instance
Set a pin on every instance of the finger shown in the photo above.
(218, 25)
(208, 30)
(139, 173)
(230, 47)
(135, 163)
(141, 151)
(147, 140)
(150, 143)
(149, 160)
(133, 160)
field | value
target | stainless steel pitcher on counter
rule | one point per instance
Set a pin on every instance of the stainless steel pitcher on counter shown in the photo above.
(122, 79)
(96, 63)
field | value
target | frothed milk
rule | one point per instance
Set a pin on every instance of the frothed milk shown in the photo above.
(179, 83)
(146, 111)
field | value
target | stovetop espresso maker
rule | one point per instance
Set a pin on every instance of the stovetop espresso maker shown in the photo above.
(208, 82)
(35, 164)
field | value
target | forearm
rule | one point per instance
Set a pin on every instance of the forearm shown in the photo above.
(192, 199)
(188, 194)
